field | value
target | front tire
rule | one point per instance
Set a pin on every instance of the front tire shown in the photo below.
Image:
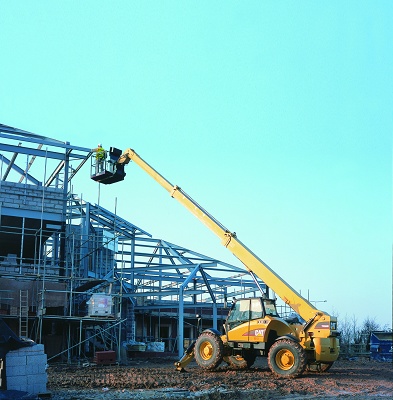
(287, 358)
(208, 351)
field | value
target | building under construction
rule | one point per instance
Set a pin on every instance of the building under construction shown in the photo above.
(80, 279)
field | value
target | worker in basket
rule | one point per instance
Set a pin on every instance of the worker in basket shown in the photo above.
(100, 157)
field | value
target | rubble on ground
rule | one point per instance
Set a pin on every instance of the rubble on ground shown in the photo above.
(157, 379)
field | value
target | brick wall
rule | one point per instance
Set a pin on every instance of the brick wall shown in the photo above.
(31, 197)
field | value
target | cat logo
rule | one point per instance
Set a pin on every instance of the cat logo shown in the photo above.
(255, 332)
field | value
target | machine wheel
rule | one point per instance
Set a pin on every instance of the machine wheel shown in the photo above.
(322, 367)
(208, 350)
(287, 358)
(238, 362)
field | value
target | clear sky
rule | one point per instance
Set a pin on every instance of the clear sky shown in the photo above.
(275, 116)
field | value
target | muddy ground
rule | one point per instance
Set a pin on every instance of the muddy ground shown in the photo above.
(157, 379)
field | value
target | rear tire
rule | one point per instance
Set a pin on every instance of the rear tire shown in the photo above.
(208, 351)
(287, 358)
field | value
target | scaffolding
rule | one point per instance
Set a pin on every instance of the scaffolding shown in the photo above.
(60, 253)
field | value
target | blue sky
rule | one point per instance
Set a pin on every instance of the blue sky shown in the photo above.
(275, 116)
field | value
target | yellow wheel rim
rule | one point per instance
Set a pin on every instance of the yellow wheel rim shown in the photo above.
(285, 359)
(206, 350)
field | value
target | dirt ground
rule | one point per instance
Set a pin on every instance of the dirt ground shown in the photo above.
(157, 379)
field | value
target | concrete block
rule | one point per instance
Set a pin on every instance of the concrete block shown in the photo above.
(16, 382)
(54, 196)
(13, 359)
(36, 359)
(19, 370)
(15, 386)
(32, 368)
(12, 196)
(11, 205)
(26, 369)
(37, 348)
(40, 379)
(40, 359)
(18, 191)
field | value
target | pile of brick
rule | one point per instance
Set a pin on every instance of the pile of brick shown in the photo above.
(105, 357)
(26, 369)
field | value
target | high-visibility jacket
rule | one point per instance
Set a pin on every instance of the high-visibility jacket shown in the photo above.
(100, 153)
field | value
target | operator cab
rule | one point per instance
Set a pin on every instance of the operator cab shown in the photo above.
(244, 310)
(107, 170)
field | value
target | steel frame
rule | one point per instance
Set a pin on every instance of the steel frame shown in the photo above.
(106, 252)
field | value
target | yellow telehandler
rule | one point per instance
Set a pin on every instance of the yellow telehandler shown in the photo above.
(253, 327)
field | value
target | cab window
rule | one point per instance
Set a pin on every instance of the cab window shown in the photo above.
(256, 309)
(240, 311)
(270, 308)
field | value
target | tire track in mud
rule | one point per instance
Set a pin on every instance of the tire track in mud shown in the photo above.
(346, 378)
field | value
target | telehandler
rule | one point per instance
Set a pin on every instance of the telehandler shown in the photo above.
(253, 327)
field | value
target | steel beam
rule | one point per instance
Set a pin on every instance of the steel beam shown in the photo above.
(18, 212)
(180, 323)
(38, 152)
(19, 134)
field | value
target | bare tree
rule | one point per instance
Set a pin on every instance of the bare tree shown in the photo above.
(355, 330)
(369, 325)
(346, 331)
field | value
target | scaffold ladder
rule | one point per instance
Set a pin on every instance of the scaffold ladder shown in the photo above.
(23, 313)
